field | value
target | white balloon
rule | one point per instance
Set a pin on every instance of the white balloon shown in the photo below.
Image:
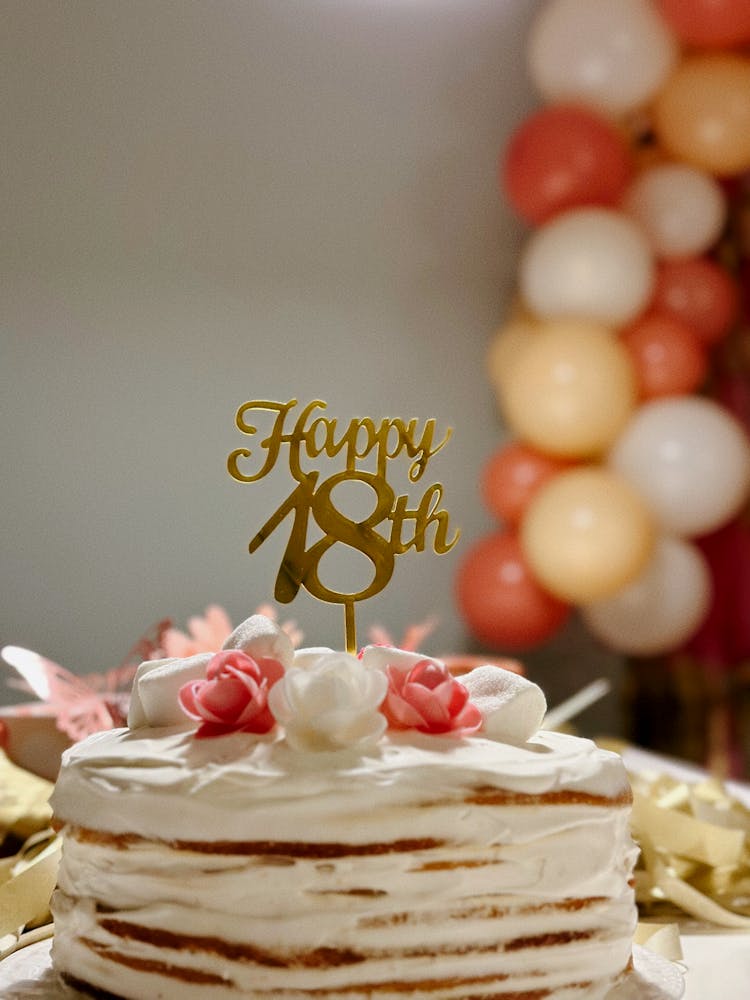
(661, 608)
(613, 55)
(682, 209)
(690, 461)
(588, 263)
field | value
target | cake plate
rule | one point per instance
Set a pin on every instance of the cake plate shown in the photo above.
(27, 975)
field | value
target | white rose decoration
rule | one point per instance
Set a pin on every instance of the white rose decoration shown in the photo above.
(330, 704)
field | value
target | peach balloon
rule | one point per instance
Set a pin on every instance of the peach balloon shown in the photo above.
(703, 113)
(586, 534)
(588, 263)
(661, 609)
(571, 391)
(668, 357)
(681, 208)
(507, 346)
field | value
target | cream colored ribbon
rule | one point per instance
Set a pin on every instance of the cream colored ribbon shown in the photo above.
(694, 849)
(26, 884)
(664, 939)
(24, 807)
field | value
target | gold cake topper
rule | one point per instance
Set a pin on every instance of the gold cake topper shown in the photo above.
(313, 435)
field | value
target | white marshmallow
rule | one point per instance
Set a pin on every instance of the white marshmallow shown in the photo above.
(259, 636)
(157, 683)
(512, 706)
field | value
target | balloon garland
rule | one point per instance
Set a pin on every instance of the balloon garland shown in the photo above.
(620, 492)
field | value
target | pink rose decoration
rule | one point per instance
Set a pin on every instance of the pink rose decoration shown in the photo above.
(425, 697)
(234, 696)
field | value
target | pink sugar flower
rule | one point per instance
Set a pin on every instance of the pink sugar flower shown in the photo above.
(234, 696)
(425, 697)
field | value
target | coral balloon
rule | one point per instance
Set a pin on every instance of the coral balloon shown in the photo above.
(682, 209)
(698, 293)
(708, 23)
(564, 157)
(690, 461)
(661, 609)
(668, 358)
(703, 113)
(586, 534)
(501, 601)
(511, 478)
(571, 391)
(588, 263)
(613, 55)
(506, 348)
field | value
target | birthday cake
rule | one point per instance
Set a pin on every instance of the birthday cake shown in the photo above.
(275, 824)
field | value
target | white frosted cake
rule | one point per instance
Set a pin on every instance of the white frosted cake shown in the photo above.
(308, 825)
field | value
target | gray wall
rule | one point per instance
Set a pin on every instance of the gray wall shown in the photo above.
(208, 202)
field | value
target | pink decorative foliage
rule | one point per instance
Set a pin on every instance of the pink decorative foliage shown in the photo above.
(208, 632)
(205, 634)
(80, 705)
(414, 635)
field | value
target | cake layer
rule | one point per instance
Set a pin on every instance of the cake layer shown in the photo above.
(164, 784)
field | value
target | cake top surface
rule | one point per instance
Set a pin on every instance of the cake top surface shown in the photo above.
(260, 729)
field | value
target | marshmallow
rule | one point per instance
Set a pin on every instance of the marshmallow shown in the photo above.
(154, 700)
(512, 707)
(156, 686)
(259, 636)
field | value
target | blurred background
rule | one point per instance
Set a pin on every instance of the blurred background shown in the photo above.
(207, 203)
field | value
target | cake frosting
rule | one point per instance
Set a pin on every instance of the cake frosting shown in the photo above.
(350, 850)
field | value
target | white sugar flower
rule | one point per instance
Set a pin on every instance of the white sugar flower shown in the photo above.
(330, 704)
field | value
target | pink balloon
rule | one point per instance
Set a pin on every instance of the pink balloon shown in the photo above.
(708, 23)
(668, 358)
(512, 476)
(562, 157)
(699, 293)
(501, 601)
